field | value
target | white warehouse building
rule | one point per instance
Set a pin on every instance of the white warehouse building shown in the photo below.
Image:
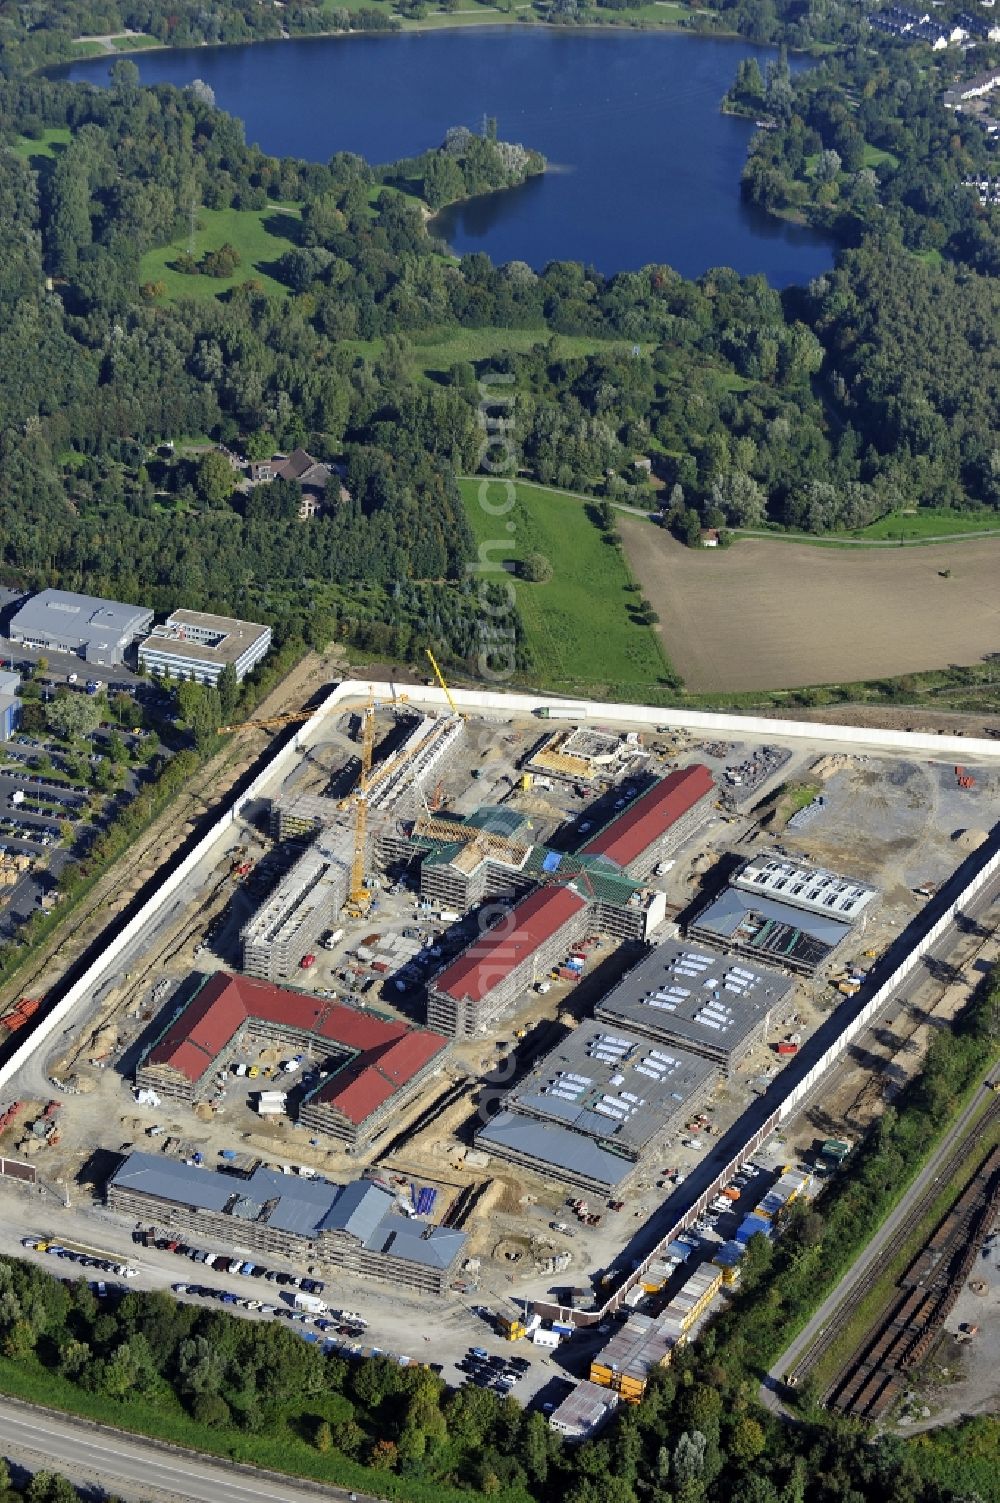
(99, 631)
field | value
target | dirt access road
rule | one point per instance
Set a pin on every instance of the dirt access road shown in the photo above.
(764, 615)
(207, 788)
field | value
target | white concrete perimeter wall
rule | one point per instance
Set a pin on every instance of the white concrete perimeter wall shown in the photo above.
(962, 748)
(485, 701)
(878, 998)
(95, 973)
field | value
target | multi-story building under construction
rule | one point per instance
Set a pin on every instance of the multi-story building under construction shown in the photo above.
(306, 902)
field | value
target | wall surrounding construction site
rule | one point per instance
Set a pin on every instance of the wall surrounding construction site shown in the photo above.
(701, 722)
(795, 1093)
(280, 763)
(349, 692)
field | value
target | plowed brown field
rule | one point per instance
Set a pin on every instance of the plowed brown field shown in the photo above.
(774, 615)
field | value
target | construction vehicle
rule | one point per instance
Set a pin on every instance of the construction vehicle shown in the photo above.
(440, 678)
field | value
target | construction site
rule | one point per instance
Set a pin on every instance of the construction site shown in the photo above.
(540, 973)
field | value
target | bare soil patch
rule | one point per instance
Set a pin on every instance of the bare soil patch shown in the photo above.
(774, 615)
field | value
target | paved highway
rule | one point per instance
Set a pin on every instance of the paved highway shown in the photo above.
(134, 1468)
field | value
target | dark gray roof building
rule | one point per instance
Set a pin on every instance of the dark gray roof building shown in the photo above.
(713, 1005)
(99, 631)
(595, 1104)
(357, 1227)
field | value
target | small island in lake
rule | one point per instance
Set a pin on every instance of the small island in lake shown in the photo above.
(466, 165)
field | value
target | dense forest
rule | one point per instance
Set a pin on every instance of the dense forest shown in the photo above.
(822, 408)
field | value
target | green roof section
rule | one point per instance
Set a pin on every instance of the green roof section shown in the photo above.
(593, 876)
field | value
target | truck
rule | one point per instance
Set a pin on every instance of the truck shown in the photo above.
(449, 916)
(332, 940)
(311, 1303)
(562, 712)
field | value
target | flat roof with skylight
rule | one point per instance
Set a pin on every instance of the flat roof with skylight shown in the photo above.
(599, 1089)
(809, 887)
(716, 1006)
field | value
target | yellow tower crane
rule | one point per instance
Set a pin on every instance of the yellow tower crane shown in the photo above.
(274, 722)
(440, 678)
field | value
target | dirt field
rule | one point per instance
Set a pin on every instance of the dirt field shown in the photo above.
(764, 615)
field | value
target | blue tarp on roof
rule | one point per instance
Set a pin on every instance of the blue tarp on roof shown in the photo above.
(551, 862)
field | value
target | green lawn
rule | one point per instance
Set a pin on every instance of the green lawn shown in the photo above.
(45, 145)
(438, 355)
(578, 624)
(874, 156)
(659, 12)
(256, 234)
(135, 44)
(929, 522)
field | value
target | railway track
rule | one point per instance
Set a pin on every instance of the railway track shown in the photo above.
(861, 1386)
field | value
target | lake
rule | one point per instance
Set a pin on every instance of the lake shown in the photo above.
(643, 166)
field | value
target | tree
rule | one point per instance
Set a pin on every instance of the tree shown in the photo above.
(211, 1409)
(214, 478)
(49, 1487)
(124, 75)
(746, 1439)
(74, 714)
(322, 1437)
(689, 1456)
(382, 1455)
(202, 92)
(535, 568)
(201, 710)
(228, 689)
(741, 498)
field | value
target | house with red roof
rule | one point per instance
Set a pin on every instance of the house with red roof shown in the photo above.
(655, 822)
(367, 1068)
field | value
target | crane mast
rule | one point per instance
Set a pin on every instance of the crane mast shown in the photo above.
(359, 899)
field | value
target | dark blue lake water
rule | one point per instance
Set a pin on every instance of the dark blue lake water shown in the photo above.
(643, 165)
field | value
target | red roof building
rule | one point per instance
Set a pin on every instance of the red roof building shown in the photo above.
(468, 993)
(632, 838)
(373, 1062)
